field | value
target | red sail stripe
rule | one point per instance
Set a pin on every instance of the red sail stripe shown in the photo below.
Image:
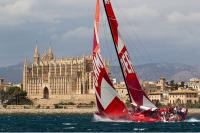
(134, 87)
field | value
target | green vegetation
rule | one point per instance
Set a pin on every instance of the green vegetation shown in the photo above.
(14, 96)
(86, 105)
(173, 85)
(182, 84)
(70, 104)
(63, 105)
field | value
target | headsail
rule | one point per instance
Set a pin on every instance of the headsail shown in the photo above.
(137, 94)
(108, 102)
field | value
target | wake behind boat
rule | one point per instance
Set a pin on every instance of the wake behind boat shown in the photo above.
(108, 102)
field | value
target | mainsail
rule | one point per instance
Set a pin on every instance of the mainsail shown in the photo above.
(136, 93)
(108, 102)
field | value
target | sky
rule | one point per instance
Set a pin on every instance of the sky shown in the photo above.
(154, 30)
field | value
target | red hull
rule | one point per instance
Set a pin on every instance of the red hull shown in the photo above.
(140, 117)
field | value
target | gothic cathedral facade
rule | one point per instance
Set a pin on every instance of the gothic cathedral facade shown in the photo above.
(49, 77)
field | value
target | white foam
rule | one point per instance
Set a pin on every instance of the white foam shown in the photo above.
(193, 120)
(98, 118)
(69, 128)
(139, 129)
(68, 124)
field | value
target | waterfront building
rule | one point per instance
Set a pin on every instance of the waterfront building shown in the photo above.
(183, 97)
(159, 86)
(122, 91)
(149, 87)
(59, 78)
(194, 83)
(161, 92)
(4, 85)
(156, 96)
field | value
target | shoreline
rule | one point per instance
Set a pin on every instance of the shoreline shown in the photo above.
(195, 111)
(48, 111)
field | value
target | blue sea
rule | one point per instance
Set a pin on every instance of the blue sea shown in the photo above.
(89, 123)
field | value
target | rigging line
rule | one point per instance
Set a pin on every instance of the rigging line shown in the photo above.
(137, 37)
(136, 58)
(108, 47)
(134, 61)
(106, 42)
(102, 25)
(105, 36)
(107, 33)
(114, 59)
(104, 3)
(133, 30)
(138, 53)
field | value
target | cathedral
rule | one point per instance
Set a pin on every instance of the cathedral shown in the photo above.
(52, 78)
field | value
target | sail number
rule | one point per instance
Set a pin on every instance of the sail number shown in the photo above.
(126, 64)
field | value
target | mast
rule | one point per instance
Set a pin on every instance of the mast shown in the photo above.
(104, 3)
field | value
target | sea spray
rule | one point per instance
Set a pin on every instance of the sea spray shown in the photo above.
(193, 120)
(98, 118)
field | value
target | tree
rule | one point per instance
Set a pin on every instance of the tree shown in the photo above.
(182, 84)
(176, 87)
(3, 95)
(172, 83)
(16, 95)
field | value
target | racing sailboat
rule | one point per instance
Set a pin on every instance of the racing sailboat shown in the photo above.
(108, 102)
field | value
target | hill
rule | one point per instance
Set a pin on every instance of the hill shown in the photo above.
(153, 71)
(148, 72)
(12, 73)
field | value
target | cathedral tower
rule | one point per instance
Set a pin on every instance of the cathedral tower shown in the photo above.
(50, 54)
(36, 56)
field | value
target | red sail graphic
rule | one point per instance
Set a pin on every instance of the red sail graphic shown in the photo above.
(108, 102)
(137, 95)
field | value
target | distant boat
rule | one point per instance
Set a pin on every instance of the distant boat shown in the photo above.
(107, 99)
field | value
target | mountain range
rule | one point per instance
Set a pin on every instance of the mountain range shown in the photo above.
(153, 72)
(12, 73)
(147, 72)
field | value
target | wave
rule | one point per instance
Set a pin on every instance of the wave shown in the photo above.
(192, 120)
(139, 129)
(68, 124)
(67, 128)
(98, 118)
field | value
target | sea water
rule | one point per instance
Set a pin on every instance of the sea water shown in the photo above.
(89, 123)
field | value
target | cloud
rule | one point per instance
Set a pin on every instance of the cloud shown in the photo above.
(140, 12)
(18, 12)
(177, 17)
(20, 7)
(14, 12)
(163, 27)
(78, 33)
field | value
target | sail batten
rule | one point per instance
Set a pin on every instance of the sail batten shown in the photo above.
(136, 93)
